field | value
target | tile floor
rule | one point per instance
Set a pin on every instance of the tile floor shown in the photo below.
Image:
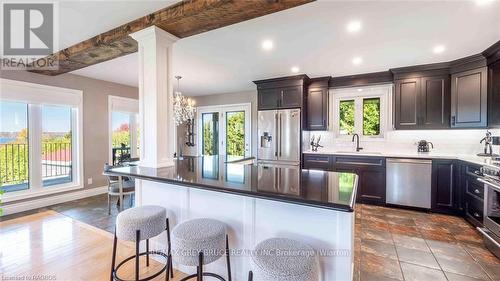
(394, 244)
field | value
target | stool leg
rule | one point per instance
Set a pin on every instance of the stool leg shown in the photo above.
(169, 243)
(137, 240)
(250, 276)
(147, 252)
(109, 204)
(228, 259)
(113, 258)
(200, 267)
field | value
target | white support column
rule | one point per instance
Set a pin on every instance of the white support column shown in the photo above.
(155, 96)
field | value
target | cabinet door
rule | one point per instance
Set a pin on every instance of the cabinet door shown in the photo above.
(494, 95)
(435, 102)
(372, 186)
(290, 97)
(317, 109)
(406, 106)
(443, 186)
(469, 99)
(268, 99)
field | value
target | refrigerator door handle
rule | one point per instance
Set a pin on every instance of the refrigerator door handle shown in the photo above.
(276, 140)
(281, 132)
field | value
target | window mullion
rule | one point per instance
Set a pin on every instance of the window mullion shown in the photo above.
(35, 146)
(358, 116)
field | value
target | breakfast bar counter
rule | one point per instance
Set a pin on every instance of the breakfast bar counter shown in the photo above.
(257, 202)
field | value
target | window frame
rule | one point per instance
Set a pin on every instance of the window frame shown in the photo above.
(128, 106)
(358, 94)
(36, 96)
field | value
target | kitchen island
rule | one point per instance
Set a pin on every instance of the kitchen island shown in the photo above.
(257, 202)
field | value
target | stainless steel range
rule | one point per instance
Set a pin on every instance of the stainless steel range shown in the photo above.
(491, 220)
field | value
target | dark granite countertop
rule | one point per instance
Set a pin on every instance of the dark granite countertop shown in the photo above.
(291, 184)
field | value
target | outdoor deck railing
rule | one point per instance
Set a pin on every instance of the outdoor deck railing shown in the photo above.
(14, 162)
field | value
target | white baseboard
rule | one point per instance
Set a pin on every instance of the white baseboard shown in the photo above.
(51, 200)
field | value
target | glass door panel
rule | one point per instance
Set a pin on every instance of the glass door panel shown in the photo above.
(56, 145)
(120, 138)
(14, 150)
(210, 133)
(235, 135)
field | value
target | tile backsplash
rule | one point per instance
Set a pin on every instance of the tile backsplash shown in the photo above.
(445, 141)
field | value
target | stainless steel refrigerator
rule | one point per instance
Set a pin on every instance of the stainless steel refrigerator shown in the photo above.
(279, 136)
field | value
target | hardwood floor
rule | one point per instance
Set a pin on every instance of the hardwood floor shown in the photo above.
(52, 246)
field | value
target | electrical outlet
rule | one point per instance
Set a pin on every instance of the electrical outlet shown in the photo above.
(89, 181)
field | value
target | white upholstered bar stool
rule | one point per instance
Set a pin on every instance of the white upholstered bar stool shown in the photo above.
(138, 224)
(199, 242)
(281, 259)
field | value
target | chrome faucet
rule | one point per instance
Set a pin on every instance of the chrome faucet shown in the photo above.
(357, 142)
(487, 143)
(316, 144)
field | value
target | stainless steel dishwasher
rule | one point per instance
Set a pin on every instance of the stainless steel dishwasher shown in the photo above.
(409, 182)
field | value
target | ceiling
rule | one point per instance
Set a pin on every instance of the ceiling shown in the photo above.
(312, 37)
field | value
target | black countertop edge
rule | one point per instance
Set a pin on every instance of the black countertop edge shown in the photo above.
(262, 195)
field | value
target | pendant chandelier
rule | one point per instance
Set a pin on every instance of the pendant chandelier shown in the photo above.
(184, 108)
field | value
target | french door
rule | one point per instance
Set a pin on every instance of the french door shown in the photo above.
(224, 130)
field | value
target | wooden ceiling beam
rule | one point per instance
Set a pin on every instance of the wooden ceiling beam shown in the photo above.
(182, 19)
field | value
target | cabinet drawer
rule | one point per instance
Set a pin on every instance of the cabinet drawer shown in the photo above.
(359, 161)
(474, 210)
(473, 187)
(473, 170)
(317, 162)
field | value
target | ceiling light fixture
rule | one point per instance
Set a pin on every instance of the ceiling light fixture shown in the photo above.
(360, 90)
(439, 49)
(357, 60)
(354, 26)
(295, 69)
(184, 108)
(267, 45)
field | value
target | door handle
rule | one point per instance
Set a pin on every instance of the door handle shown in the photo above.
(276, 139)
(281, 132)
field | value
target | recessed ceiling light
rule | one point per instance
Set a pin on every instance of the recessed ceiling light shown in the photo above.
(354, 26)
(357, 60)
(295, 69)
(267, 45)
(483, 2)
(439, 49)
(360, 90)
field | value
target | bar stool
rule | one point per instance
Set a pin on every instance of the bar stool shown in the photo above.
(137, 224)
(199, 242)
(281, 259)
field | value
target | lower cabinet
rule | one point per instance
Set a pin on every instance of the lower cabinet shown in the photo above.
(444, 196)
(370, 170)
(472, 194)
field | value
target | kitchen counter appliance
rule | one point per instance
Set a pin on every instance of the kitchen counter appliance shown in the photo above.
(424, 146)
(279, 136)
(491, 219)
(409, 182)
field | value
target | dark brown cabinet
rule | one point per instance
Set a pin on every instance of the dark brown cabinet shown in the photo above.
(469, 98)
(422, 103)
(471, 194)
(317, 105)
(494, 95)
(444, 192)
(280, 93)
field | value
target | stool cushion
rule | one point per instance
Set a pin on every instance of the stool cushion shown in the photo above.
(150, 220)
(199, 235)
(281, 259)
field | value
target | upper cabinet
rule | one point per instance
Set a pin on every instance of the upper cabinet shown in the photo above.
(280, 93)
(421, 99)
(317, 105)
(494, 95)
(469, 96)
